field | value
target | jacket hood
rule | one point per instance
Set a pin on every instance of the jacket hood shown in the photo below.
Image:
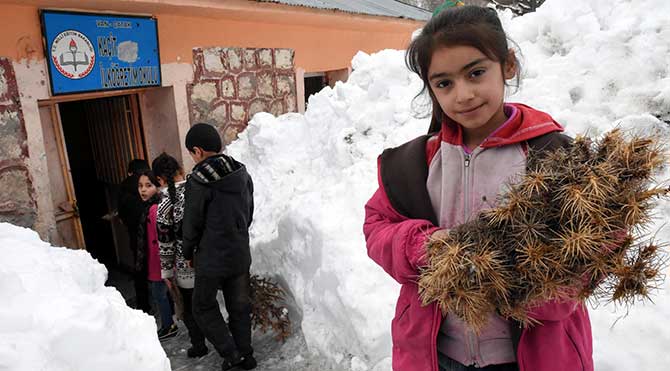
(220, 172)
(523, 123)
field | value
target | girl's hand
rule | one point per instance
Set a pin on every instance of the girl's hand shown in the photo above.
(168, 282)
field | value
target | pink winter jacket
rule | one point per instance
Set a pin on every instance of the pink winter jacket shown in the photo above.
(400, 216)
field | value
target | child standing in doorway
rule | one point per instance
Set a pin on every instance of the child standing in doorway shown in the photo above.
(476, 143)
(130, 207)
(174, 269)
(147, 259)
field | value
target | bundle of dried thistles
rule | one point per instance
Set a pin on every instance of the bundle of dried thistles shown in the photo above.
(267, 311)
(572, 228)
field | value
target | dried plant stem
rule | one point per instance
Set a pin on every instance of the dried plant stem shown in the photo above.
(267, 313)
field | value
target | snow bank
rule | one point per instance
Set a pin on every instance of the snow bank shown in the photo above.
(312, 174)
(56, 313)
(594, 62)
(593, 65)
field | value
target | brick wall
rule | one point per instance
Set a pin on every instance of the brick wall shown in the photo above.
(232, 84)
(17, 198)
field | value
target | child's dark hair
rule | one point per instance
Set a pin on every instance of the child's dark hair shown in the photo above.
(167, 167)
(136, 166)
(149, 174)
(473, 26)
(204, 136)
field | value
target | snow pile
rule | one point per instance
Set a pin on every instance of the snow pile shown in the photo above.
(594, 62)
(593, 65)
(56, 313)
(312, 175)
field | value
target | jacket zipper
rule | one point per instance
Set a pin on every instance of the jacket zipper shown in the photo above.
(466, 188)
(471, 344)
(466, 203)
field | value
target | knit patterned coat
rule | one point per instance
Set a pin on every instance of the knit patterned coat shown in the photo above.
(169, 224)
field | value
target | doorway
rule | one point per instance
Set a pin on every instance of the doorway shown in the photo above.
(101, 137)
(314, 83)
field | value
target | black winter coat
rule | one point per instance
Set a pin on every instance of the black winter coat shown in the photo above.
(130, 205)
(217, 214)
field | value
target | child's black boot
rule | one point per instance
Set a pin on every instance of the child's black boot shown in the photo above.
(231, 362)
(169, 332)
(248, 362)
(197, 351)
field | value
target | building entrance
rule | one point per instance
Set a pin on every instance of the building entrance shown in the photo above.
(102, 136)
(96, 140)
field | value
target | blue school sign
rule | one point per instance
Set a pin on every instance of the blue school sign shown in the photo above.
(93, 52)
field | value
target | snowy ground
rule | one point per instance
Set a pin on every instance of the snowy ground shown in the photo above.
(272, 355)
(593, 65)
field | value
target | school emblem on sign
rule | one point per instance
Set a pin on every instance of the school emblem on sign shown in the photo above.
(72, 54)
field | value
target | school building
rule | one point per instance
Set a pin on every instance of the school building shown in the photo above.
(86, 86)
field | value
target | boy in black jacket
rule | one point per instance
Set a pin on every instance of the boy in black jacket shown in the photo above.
(217, 214)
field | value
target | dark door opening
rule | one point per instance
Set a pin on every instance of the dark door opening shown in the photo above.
(101, 136)
(89, 190)
(314, 83)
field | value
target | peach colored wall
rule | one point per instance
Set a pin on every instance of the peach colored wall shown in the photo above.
(322, 40)
(316, 48)
(21, 35)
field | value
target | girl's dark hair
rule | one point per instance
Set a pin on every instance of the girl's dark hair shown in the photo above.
(166, 166)
(473, 26)
(149, 174)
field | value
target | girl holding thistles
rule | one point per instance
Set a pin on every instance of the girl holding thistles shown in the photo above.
(147, 260)
(475, 145)
(174, 267)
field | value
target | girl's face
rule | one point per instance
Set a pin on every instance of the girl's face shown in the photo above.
(470, 88)
(146, 188)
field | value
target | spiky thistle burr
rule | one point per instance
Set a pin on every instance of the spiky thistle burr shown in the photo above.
(267, 311)
(571, 228)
